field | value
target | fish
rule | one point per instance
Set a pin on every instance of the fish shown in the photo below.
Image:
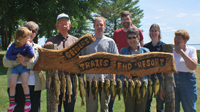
(113, 88)
(119, 88)
(156, 87)
(125, 89)
(63, 85)
(82, 90)
(144, 88)
(88, 86)
(94, 87)
(137, 89)
(131, 87)
(163, 81)
(100, 87)
(150, 88)
(107, 87)
(69, 87)
(75, 84)
(56, 82)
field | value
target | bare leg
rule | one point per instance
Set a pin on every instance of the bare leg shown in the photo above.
(13, 82)
(25, 77)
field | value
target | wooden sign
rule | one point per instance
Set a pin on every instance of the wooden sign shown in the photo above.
(68, 59)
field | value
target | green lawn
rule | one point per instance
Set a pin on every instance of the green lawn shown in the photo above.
(118, 106)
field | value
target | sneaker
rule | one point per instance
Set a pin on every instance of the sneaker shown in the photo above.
(11, 107)
(27, 106)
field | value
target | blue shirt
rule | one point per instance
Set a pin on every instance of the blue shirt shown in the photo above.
(12, 51)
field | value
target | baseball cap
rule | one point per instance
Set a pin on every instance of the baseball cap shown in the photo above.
(62, 15)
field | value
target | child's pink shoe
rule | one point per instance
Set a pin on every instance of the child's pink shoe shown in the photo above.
(11, 107)
(27, 106)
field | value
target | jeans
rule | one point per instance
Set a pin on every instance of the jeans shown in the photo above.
(185, 91)
(68, 107)
(111, 104)
(20, 99)
(159, 102)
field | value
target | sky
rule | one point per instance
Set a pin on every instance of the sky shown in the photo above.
(171, 15)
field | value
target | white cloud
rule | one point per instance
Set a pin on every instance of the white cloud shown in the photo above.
(181, 15)
(158, 17)
(187, 25)
(162, 24)
(196, 14)
(168, 29)
(159, 10)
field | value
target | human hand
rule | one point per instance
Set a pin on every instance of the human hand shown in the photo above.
(21, 59)
(177, 49)
(28, 43)
(48, 43)
(128, 76)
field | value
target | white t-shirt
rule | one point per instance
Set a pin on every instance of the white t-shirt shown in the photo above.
(104, 44)
(179, 61)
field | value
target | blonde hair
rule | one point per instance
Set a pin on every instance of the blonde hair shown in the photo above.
(100, 18)
(184, 34)
(22, 32)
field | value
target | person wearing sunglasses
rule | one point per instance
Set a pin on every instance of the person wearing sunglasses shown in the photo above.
(36, 80)
(132, 104)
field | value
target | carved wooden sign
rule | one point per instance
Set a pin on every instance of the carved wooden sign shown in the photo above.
(68, 59)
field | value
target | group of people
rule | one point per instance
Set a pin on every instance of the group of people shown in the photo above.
(22, 55)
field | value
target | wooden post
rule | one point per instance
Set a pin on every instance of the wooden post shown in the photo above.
(52, 105)
(169, 84)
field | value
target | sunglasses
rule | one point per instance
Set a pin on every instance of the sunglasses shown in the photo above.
(131, 37)
(33, 31)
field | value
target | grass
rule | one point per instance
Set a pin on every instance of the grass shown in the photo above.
(118, 106)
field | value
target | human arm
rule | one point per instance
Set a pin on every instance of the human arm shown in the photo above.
(141, 38)
(9, 52)
(191, 63)
(29, 49)
(141, 43)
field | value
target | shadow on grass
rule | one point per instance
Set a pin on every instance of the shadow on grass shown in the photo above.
(3, 70)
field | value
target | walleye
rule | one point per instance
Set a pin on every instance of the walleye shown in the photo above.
(119, 88)
(56, 82)
(69, 88)
(144, 88)
(75, 84)
(88, 86)
(125, 89)
(156, 86)
(131, 87)
(150, 88)
(100, 87)
(107, 87)
(113, 88)
(82, 90)
(162, 81)
(137, 89)
(94, 88)
(63, 85)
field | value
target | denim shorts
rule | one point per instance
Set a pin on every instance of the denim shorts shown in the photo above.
(185, 91)
(19, 69)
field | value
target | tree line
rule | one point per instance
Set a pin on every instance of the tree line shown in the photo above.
(14, 13)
